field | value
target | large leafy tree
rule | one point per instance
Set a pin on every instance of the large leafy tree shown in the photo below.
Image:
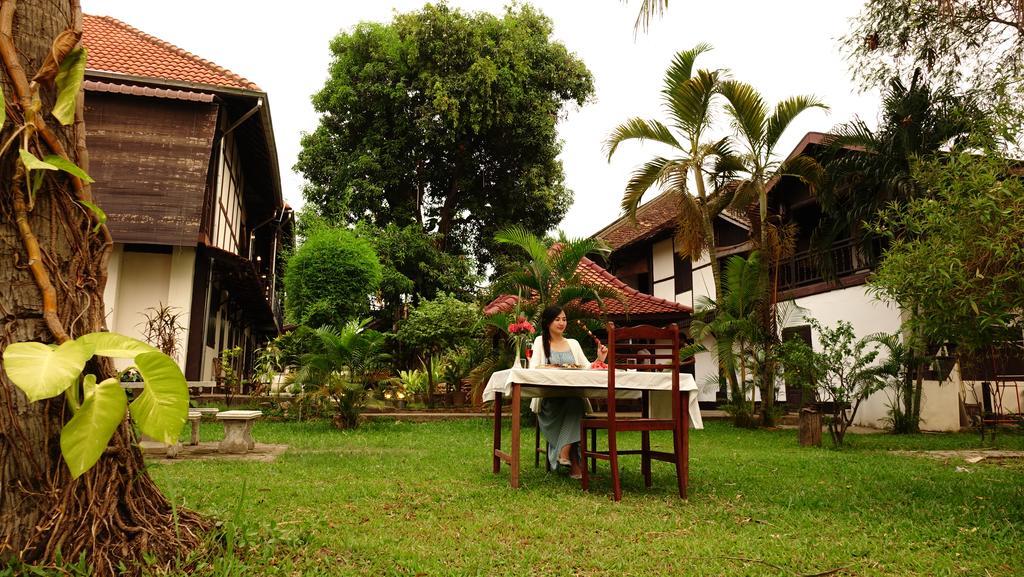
(413, 267)
(976, 43)
(689, 100)
(446, 120)
(955, 255)
(55, 247)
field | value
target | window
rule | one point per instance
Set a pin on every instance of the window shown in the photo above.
(683, 273)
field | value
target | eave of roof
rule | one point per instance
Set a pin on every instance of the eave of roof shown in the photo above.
(122, 54)
(637, 304)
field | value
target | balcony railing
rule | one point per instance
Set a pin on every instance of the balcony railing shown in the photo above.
(806, 268)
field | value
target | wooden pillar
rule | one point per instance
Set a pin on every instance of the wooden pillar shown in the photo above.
(810, 428)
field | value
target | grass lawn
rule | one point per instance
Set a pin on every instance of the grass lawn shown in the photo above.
(419, 499)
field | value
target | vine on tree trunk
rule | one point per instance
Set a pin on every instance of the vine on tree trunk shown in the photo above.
(114, 512)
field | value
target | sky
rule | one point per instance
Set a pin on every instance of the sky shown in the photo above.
(783, 48)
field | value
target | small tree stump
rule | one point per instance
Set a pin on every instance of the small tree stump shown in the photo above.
(810, 428)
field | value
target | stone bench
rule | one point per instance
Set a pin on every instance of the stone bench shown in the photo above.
(237, 430)
(193, 420)
(206, 411)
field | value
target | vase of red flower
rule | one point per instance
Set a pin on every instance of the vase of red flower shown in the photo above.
(519, 331)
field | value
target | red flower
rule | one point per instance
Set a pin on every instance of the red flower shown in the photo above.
(520, 327)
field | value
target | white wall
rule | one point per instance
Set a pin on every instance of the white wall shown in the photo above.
(940, 407)
(138, 281)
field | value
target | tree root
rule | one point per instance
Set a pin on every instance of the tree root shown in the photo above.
(113, 514)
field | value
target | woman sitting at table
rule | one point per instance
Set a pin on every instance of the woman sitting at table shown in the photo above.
(559, 417)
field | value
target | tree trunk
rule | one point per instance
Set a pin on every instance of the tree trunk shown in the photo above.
(54, 272)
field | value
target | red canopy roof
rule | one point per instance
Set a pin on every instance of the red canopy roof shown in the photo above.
(637, 304)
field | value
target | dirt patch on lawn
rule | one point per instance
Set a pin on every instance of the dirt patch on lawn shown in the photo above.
(969, 456)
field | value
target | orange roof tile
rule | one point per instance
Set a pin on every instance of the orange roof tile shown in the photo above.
(652, 217)
(637, 303)
(117, 47)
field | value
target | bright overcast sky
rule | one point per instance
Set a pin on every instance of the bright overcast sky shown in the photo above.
(782, 48)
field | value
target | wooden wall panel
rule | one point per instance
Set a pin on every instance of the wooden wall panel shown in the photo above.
(150, 157)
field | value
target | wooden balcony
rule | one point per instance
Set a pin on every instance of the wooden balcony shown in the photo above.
(811, 272)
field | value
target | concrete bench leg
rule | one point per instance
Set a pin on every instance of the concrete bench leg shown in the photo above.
(237, 437)
(194, 438)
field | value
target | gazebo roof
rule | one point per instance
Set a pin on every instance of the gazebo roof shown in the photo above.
(637, 304)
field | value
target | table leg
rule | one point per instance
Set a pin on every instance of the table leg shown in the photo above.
(496, 463)
(516, 418)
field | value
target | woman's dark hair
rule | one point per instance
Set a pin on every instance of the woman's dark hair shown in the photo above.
(546, 318)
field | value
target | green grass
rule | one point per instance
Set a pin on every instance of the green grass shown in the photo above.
(419, 499)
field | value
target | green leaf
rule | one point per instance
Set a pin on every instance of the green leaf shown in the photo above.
(37, 181)
(86, 435)
(101, 217)
(67, 166)
(88, 386)
(115, 345)
(162, 408)
(69, 81)
(32, 163)
(43, 372)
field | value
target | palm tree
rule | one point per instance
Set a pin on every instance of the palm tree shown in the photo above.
(688, 97)
(550, 274)
(731, 320)
(338, 369)
(758, 131)
(916, 122)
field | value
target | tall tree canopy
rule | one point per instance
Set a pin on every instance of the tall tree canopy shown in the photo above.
(446, 120)
(979, 43)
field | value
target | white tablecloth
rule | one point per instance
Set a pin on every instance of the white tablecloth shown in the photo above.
(592, 383)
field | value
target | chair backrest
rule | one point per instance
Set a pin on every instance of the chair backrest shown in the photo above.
(643, 348)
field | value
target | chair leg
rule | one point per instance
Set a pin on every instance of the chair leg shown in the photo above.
(677, 446)
(593, 447)
(536, 448)
(613, 459)
(645, 457)
(585, 479)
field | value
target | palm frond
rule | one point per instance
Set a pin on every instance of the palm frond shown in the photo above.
(643, 179)
(518, 235)
(808, 170)
(681, 68)
(639, 129)
(748, 112)
(689, 102)
(784, 113)
(649, 9)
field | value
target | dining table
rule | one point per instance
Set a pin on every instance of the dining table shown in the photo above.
(520, 383)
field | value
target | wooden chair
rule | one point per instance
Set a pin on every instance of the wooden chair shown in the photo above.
(624, 352)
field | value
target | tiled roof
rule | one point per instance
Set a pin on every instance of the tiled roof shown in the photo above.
(93, 86)
(637, 303)
(117, 47)
(652, 217)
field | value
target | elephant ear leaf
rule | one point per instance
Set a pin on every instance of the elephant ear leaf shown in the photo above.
(42, 371)
(87, 434)
(162, 408)
(116, 345)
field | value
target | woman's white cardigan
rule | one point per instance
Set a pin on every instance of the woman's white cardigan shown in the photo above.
(537, 359)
